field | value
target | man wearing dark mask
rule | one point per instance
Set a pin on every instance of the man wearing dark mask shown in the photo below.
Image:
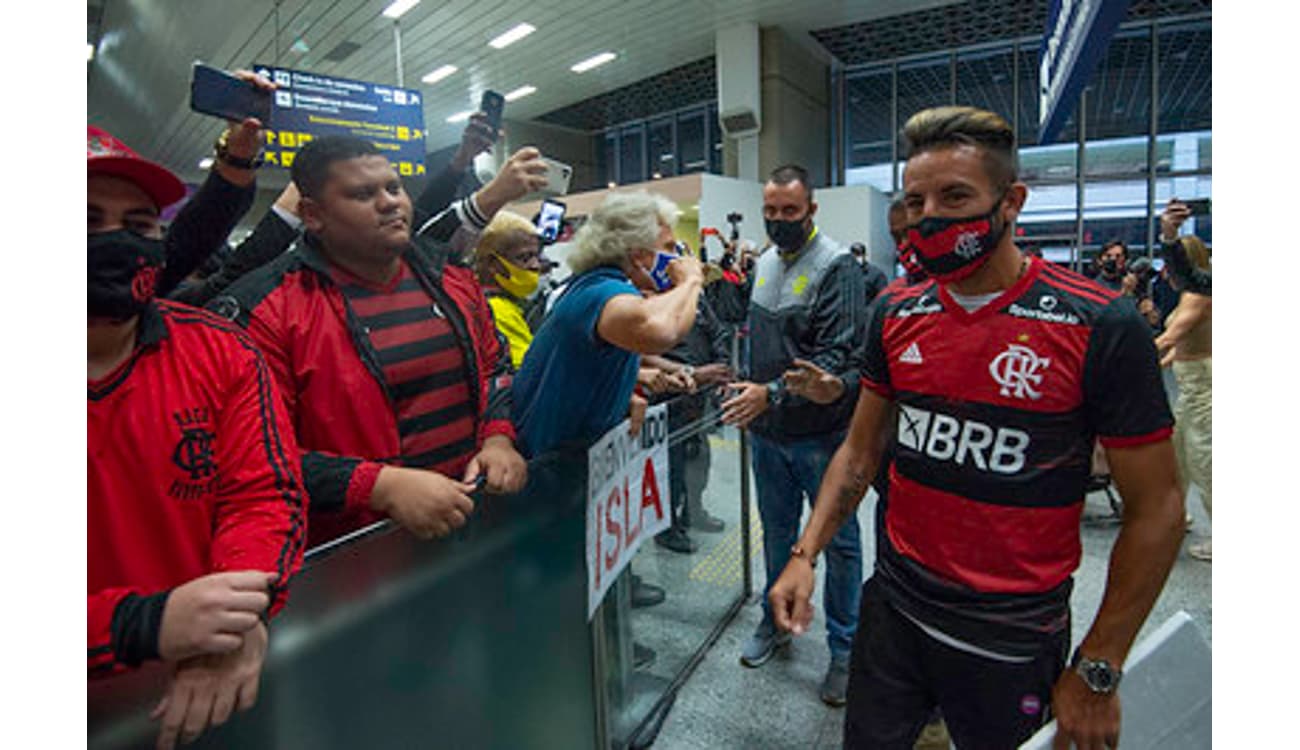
(808, 302)
(875, 279)
(1112, 265)
(1004, 370)
(195, 506)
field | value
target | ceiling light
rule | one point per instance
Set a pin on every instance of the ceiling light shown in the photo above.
(512, 36)
(90, 52)
(399, 7)
(520, 93)
(205, 162)
(593, 62)
(439, 74)
(461, 116)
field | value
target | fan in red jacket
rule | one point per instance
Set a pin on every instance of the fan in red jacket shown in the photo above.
(384, 347)
(194, 498)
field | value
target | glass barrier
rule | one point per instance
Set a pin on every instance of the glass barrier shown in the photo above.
(478, 641)
(683, 587)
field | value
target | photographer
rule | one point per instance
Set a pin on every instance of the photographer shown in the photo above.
(1186, 346)
(1138, 284)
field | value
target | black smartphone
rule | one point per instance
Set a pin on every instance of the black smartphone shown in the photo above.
(550, 219)
(1198, 206)
(492, 104)
(216, 92)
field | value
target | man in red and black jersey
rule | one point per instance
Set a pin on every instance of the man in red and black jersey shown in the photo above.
(1004, 369)
(384, 347)
(194, 498)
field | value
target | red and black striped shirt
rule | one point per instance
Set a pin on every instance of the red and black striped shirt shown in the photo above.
(998, 411)
(423, 367)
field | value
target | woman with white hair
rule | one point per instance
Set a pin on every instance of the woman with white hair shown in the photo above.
(578, 376)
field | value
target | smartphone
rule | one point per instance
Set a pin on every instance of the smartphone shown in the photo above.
(550, 219)
(659, 273)
(216, 92)
(1198, 206)
(558, 175)
(492, 104)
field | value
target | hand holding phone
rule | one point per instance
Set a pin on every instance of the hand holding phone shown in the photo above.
(492, 105)
(550, 219)
(220, 94)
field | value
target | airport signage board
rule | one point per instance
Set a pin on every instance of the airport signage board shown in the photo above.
(1076, 36)
(310, 105)
(627, 498)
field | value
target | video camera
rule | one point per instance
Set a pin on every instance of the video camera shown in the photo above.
(734, 218)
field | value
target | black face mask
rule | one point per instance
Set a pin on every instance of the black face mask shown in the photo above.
(1110, 267)
(121, 274)
(787, 235)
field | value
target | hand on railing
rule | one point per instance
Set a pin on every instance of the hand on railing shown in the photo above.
(426, 503)
(205, 690)
(505, 469)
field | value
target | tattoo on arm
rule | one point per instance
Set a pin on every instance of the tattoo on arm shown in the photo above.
(851, 493)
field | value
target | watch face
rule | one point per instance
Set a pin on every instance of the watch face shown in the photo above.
(1099, 677)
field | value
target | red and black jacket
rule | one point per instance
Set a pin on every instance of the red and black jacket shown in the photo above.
(191, 469)
(330, 375)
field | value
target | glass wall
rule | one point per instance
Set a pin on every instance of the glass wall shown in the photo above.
(672, 143)
(1121, 195)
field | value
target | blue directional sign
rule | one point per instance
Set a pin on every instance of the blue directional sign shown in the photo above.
(310, 105)
(1077, 34)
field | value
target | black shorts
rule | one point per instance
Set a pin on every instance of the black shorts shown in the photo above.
(899, 674)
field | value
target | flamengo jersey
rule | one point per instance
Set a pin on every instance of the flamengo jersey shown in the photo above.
(997, 413)
(192, 469)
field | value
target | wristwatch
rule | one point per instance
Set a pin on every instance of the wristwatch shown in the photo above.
(688, 371)
(775, 391)
(799, 551)
(1097, 674)
(222, 149)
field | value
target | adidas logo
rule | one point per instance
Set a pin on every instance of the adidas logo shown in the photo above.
(912, 355)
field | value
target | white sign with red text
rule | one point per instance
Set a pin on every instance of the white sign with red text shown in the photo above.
(628, 498)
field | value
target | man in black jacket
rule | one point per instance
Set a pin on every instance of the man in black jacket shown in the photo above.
(808, 303)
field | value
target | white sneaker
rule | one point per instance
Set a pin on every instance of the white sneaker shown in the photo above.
(1200, 551)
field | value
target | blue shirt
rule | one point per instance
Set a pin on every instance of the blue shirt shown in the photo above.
(573, 385)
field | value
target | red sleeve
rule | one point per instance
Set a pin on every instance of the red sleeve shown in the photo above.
(260, 519)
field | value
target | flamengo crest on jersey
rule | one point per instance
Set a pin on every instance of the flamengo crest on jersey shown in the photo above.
(1019, 371)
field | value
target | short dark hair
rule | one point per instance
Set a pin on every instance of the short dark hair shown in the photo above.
(311, 168)
(1113, 243)
(788, 173)
(858, 248)
(945, 127)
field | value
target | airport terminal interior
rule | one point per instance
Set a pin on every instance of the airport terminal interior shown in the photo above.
(494, 635)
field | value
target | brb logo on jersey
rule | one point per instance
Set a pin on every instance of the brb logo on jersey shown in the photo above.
(1019, 370)
(962, 441)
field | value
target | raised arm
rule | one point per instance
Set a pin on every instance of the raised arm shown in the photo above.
(655, 324)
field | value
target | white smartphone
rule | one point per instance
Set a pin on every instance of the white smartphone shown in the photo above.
(558, 175)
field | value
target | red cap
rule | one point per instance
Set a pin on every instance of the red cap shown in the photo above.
(107, 155)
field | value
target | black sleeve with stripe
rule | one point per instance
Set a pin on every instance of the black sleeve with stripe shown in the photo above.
(871, 356)
(137, 626)
(1123, 391)
(327, 478)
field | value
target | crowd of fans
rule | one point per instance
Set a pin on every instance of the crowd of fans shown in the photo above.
(364, 355)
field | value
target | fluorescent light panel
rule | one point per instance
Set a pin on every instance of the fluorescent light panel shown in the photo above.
(461, 116)
(520, 93)
(439, 74)
(593, 62)
(399, 7)
(512, 36)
